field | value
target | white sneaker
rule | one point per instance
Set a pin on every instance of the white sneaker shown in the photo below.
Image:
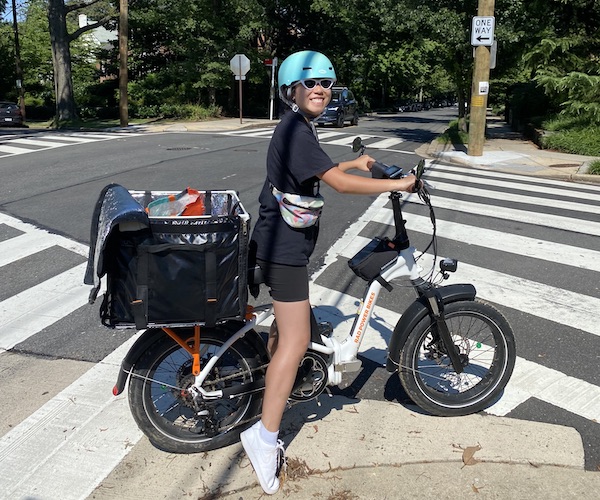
(264, 458)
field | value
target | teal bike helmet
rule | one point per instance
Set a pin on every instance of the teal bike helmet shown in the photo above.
(302, 66)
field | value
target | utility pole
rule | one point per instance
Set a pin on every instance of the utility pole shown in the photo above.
(482, 37)
(123, 77)
(19, 70)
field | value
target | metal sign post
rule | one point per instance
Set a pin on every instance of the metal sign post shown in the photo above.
(240, 65)
(272, 92)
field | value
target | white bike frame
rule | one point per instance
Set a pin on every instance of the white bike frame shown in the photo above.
(345, 353)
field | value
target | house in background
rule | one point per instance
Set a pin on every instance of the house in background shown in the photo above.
(97, 39)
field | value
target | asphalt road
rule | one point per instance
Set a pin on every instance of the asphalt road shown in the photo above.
(547, 289)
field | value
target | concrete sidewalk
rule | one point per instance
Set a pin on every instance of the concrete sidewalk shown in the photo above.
(344, 449)
(507, 151)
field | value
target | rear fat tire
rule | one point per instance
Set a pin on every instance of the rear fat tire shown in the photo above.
(482, 334)
(169, 420)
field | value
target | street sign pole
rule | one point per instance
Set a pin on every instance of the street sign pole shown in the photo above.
(240, 85)
(482, 38)
(272, 93)
(240, 65)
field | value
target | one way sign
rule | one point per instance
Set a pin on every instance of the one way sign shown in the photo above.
(482, 30)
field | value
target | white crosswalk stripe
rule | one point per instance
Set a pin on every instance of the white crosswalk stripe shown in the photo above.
(334, 138)
(34, 143)
(37, 455)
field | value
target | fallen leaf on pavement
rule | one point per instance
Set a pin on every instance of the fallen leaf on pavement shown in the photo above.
(468, 455)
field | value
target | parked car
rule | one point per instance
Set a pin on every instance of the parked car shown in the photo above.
(408, 105)
(342, 108)
(10, 114)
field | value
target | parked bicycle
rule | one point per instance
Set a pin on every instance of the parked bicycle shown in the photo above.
(195, 387)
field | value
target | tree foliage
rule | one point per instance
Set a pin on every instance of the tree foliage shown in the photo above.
(386, 50)
(565, 60)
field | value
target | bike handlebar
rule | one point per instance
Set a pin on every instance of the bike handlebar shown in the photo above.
(382, 171)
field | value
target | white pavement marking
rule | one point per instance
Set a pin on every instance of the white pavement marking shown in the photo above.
(521, 180)
(73, 442)
(258, 133)
(514, 182)
(42, 305)
(252, 132)
(550, 251)
(38, 307)
(51, 141)
(513, 214)
(33, 240)
(385, 143)
(15, 151)
(345, 141)
(532, 380)
(35, 142)
(329, 135)
(529, 379)
(101, 137)
(68, 138)
(510, 197)
(543, 301)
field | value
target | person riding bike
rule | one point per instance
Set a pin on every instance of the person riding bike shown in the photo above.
(285, 235)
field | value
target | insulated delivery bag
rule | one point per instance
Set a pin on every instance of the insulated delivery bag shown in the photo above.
(169, 270)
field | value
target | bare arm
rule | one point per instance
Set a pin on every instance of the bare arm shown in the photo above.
(343, 182)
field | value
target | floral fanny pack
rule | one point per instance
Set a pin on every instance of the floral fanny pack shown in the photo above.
(298, 211)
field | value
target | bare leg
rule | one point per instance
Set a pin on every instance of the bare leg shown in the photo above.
(293, 327)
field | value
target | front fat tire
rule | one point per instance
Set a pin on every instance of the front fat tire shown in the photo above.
(168, 419)
(484, 335)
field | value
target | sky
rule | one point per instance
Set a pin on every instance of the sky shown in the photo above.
(7, 15)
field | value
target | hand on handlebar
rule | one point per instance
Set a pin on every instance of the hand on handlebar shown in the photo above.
(409, 184)
(364, 163)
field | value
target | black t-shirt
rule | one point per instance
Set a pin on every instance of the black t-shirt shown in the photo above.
(293, 161)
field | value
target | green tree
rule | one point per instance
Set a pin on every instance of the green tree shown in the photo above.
(565, 59)
(36, 52)
(7, 65)
(61, 36)
(180, 51)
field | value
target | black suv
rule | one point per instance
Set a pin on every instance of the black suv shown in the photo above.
(10, 114)
(342, 108)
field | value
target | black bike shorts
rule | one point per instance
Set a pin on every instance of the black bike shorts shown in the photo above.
(286, 283)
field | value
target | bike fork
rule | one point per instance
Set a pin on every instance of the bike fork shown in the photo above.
(436, 307)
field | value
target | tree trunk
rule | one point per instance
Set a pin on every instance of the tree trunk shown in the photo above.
(61, 61)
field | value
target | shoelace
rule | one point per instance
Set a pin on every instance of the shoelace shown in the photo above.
(281, 460)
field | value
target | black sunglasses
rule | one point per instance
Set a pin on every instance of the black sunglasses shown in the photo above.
(325, 83)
